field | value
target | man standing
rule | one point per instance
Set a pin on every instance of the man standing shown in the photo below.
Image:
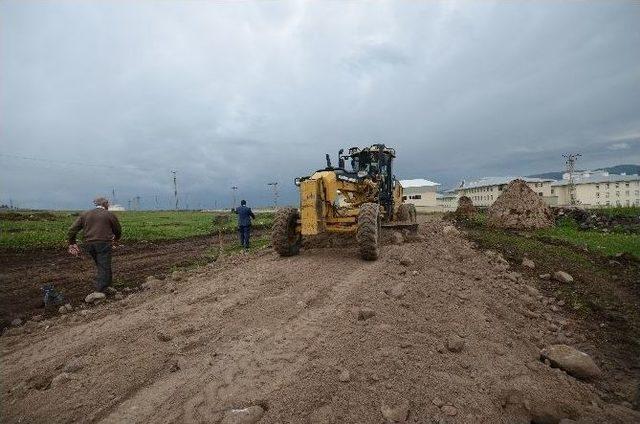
(244, 223)
(100, 229)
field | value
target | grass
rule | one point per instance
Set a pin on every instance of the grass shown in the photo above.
(629, 211)
(29, 230)
(607, 244)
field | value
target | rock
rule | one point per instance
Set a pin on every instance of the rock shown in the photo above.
(455, 343)
(73, 365)
(562, 277)
(397, 413)
(406, 261)
(450, 410)
(249, 415)
(544, 276)
(176, 275)
(39, 382)
(62, 310)
(414, 273)
(397, 237)
(532, 291)
(60, 379)
(571, 360)
(85, 312)
(163, 337)
(450, 229)
(322, 415)
(16, 322)
(528, 263)
(68, 307)
(150, 283)
(37, 318)
(437, 402)
(344, 376)
(397, 291)
(118, 296)
(365, 314)
(95, 296)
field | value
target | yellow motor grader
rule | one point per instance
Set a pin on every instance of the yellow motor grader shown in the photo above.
(359, 200)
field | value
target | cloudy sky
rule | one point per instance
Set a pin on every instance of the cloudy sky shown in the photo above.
(113, 94)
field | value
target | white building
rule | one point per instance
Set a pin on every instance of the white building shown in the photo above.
(485, 191)
(421, 193)
(599, 189)
(447, 201)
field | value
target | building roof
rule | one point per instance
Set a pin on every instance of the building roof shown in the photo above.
(599, 178)
(420, 182)
(493, 181)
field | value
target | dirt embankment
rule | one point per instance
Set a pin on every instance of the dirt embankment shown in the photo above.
(23, 273)
(434, 331)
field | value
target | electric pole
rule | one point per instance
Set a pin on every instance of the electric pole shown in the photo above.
(175, 188)
(235, 189)
(275, 193)
(157, 204)
(570, 163)
(113, 195)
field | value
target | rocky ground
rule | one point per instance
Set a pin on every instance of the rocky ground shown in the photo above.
(434, 331)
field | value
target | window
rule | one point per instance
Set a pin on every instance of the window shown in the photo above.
(597, 186)
(626, 202)
(416, 196)
(607, 185)
(617, 194)
(540, 194)
(626, 184)
(606, 195)
(597, 194)
(404, 197)
(617, 185)
(637, 192)
(626, 193)
(617, 203)
(608, 203)
(553, 191)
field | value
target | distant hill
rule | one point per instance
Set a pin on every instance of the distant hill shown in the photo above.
(618, 169)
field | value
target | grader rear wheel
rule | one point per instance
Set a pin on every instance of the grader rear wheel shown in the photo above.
(407, 212)
(284, 238)
(368, 232)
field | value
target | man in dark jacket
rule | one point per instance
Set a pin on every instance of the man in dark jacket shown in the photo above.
(100, 230)
(244, 223)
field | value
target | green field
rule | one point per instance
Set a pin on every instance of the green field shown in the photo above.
(28, 230)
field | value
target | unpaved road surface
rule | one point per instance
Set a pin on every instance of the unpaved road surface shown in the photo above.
(288, 335)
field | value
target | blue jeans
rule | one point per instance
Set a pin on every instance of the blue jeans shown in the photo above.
(100, 252)
(244, 232)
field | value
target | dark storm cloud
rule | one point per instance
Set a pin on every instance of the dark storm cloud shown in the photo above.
(247, 93)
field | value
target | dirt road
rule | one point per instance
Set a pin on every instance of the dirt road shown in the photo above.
(434, 331)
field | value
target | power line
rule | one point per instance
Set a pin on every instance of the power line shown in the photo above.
(66, 163)
(571, 164)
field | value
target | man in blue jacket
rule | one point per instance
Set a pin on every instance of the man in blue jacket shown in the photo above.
(244, 223)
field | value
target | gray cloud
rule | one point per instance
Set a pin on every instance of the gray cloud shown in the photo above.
(247, 93)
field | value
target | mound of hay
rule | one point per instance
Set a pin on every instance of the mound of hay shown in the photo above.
(519, 208)
(465, 208)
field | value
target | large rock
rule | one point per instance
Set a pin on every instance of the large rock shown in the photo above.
(528, 263)
(562, 277)
(365, 314)
(573, 361)
(94, 297)
(396, 413)
(249, 415)
(455, 343)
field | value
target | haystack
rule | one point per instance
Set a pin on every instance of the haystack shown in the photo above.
(465, 208)
(519, 208)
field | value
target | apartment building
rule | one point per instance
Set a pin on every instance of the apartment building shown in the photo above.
(599, 189)
(485, 191)
(447, 201)
(420, 192)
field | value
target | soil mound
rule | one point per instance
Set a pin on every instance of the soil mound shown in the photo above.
(520, 208)
(465, 208)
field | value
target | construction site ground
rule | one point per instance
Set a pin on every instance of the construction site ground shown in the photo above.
(436, 330)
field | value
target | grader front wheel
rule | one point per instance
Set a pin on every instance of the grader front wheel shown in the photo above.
(284, 238)
(368, 232)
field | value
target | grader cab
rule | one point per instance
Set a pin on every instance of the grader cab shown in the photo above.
(359, 196)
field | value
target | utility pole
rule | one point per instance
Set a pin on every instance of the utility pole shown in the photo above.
(113, 195)
(129, 204)
(235, 189)
(275, 193)
(570, 163)
(137, 203)
(175, 188)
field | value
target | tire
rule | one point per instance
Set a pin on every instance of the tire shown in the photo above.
(406, 213)
(368, 232)
(284, 238)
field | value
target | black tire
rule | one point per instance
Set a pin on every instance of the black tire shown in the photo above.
(284, 238)
(404, 212)
(369, 231)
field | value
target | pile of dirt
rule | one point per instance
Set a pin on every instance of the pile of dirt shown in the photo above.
(520, 208)
(465, 208)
